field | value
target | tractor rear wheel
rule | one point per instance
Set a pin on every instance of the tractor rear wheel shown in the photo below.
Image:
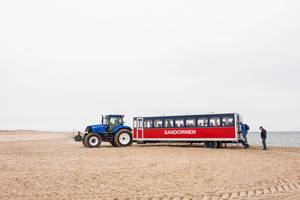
(92, 140)
(123, 138)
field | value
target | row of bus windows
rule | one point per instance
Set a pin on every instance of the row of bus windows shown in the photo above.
(189, 122)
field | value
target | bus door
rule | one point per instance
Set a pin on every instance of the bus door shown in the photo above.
(238, 120)
(140, 128)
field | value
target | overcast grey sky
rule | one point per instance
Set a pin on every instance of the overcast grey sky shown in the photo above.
(64, 63)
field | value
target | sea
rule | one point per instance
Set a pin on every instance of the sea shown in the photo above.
(276, 139)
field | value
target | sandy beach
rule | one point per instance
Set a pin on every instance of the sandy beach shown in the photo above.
(36, 165)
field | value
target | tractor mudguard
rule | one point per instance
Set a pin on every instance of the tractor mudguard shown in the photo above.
(117, 128)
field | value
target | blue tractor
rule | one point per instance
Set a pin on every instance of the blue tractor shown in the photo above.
(112, 129)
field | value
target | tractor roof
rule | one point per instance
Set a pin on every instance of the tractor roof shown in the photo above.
(114, 115)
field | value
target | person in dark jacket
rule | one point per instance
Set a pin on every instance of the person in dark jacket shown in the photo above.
(244, 131)
(263, 135)
(245, 128)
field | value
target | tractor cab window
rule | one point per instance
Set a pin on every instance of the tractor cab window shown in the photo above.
(105, 120)
(115, 121)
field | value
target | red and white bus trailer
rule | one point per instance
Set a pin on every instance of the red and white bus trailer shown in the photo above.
(211, 129)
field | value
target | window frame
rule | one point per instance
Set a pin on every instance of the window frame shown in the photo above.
(205, 118)
(184, 119)
(213, 117)
(169, 119)
(117, 121)
(190, 118)
(231, 117)
(179, 119)
(148, 120)
(140, 123)
(158, 119)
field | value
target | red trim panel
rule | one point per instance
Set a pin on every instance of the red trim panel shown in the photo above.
(211, 132)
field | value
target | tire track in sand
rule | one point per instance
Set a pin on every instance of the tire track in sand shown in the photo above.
(262, 190)
(266, 189)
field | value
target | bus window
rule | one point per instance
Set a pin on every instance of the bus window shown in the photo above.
(190, 122)
(140, 123)
(158, 123)
(227, 121)
(179, 123)
(214, 121)
(169, 123)
(148, 124)
(202, 122)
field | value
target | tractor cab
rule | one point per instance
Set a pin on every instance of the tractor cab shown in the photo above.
(112, 121)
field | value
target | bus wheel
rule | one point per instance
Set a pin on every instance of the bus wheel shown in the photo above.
(219, 144)
(210, 144)
(123, 138)
(92, 140)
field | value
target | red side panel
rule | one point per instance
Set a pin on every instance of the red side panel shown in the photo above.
(134, 133)
(211, 132)
(137, 133)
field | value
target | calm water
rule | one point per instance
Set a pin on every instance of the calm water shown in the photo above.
(279, 139)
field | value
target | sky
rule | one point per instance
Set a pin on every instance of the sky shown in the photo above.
(64, 63)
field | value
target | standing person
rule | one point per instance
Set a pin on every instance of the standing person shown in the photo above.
(263, 135)
(245, 128)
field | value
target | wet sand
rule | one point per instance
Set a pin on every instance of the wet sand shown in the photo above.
(36, 165)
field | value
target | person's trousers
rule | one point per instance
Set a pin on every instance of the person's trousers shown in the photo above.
(264, 143)
(245, 138)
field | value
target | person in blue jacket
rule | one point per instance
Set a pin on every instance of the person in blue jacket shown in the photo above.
(244, 129)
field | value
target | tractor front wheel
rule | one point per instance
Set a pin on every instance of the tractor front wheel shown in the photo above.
(83, 141)
(92, 140)
(123, 138)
